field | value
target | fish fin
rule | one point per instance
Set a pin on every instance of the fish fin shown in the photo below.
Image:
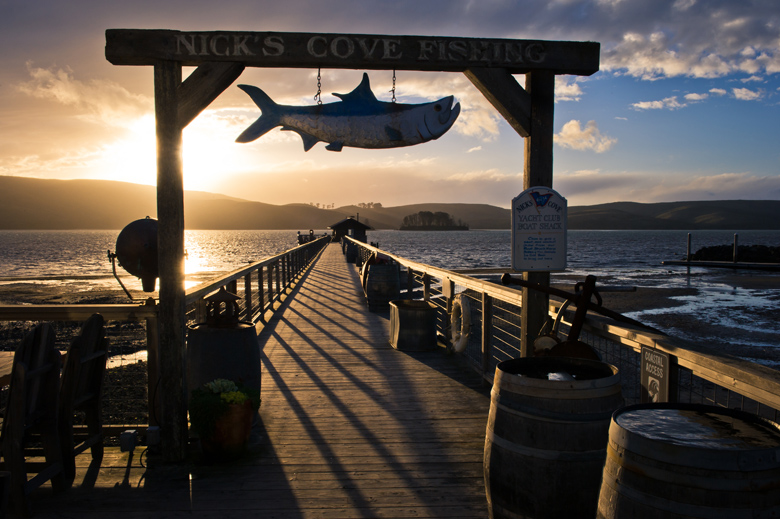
(393, 134)
(362, 92)
(267, 121)
(308, 139)
(335, 146)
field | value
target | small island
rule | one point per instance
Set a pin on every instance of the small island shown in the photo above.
(430, 221)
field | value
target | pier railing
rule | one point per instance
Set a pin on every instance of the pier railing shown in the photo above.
(495, 335)
(258, 285)
(130, 382)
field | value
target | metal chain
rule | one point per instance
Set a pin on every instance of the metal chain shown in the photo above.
(318, 95)
(393, 90)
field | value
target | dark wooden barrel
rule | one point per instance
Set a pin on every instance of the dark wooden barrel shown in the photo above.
(547, 435)
(229, 353)
(382, 285)
(351, 252)
(690, 460)
(412, 325)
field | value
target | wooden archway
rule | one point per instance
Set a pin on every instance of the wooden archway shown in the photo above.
(220, 58)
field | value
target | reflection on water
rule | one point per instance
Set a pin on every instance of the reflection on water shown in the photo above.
(76, 262)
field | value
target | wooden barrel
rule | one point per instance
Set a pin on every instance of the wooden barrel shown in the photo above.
(351, 252)
(382, 285)
(690, 460)
(547, 435)
(229, 353)
(412, 325)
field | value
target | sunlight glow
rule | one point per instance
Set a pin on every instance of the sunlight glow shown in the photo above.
(133, 158)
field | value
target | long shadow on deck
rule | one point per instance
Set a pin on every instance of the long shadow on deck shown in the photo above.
(372, 391)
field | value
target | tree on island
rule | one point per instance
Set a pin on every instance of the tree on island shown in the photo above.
(430, 221)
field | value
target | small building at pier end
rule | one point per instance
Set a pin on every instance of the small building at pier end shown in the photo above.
(351, 227)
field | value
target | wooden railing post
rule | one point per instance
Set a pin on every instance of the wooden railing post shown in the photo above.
(278, 282)
(409, 284)
(448, 291)
(487, 331)
(260, 294)
(248, 296)
(270, 286)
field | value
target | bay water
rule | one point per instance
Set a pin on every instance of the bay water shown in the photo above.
(77, 262)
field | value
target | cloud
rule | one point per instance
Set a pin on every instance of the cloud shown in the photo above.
(99, 101)
(565, 91)
(694, 98)
(573, 136)
(691, 38)
(718, 91)
(475, 148)
(724, 186)
(745, 94)
(669, 103)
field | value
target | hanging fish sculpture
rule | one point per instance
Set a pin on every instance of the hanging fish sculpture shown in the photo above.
(359, 120)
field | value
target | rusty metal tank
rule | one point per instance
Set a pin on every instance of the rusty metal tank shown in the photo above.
(136, 250)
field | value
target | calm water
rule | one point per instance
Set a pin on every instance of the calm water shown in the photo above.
(77, 261)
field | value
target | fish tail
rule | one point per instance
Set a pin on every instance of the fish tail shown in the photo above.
(269, 119)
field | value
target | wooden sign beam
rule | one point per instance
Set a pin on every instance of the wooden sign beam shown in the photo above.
(203, 86)
(349, 51)
(506, 95)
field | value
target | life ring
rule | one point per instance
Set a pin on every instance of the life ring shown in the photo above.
(461, 311)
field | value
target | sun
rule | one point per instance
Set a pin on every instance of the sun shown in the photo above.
(210, 154)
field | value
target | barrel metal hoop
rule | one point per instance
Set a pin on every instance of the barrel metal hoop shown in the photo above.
(683, 475)
(547, 415)
(545, 454)
(683, 509)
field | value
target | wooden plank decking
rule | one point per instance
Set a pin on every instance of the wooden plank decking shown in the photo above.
(349, 428)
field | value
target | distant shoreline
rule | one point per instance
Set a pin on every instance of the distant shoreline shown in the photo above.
(435, 228)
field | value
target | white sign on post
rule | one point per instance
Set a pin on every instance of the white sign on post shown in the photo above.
(539, 230)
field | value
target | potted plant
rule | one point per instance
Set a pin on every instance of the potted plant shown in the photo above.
(221, 413)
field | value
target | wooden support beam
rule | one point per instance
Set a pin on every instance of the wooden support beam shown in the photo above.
(170, 247)
(538, 171)
(203, 86)
(349, 51)
(505, 94)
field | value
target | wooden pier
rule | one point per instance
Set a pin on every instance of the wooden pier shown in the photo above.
(349, 427)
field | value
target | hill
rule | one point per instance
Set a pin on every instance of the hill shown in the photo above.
(721, 214)
(28, 203)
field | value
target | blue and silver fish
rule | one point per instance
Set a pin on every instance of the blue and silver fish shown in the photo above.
(359, 120)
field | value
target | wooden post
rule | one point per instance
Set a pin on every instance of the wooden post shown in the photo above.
(248, 296)
(277, 268)
(426, 280)
(538, 172)
(260, 294)
(270, 268)
(170, 246)
(152, 367)
(487, 331)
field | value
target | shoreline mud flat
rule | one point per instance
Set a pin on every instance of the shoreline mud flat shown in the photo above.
(729, 312)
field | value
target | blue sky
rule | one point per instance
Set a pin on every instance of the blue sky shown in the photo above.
(686, 105)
